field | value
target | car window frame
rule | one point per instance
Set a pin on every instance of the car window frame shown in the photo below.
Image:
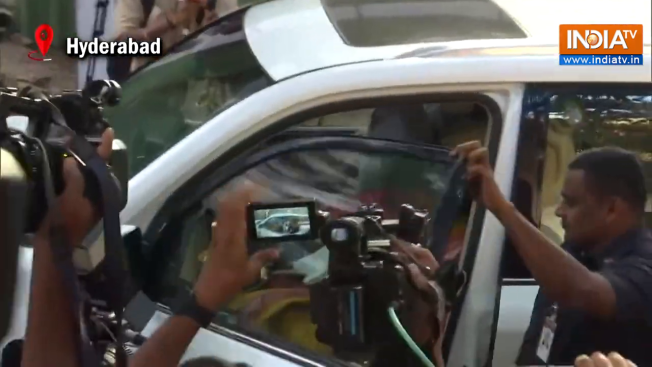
(185, 194)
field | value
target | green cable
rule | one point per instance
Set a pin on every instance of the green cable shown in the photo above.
(404, 334)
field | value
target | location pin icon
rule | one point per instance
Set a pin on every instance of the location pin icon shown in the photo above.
(43, 37)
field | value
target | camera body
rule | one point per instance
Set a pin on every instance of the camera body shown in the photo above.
(350, 307)
(44, 145)
(58, 127)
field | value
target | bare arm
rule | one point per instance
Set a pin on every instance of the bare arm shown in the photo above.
(50, 315)
(564, 279)
(227, 270)
(168, 344)
(567, 282)
(52, 328)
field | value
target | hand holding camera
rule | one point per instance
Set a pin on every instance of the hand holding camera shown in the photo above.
(75, 210)
(229, 267)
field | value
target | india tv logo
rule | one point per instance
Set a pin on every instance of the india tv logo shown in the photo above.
(601, 44)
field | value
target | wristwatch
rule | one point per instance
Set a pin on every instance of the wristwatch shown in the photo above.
(191, 308)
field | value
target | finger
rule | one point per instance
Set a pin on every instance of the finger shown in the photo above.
(106, 146)
(583, 361)
(476, 171)
(617, 360)
(245, 193)
(399, 245)
(600, 360)
(478, 156)
(401, 256)
(464, 149)
(426, 259)
(260, 259)
(72, 176)
(417, 276)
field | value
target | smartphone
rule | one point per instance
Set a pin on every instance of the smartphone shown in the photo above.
(282, 221)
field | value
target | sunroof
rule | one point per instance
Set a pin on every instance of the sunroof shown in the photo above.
(367, 23)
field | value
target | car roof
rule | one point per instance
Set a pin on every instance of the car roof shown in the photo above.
(291, 37)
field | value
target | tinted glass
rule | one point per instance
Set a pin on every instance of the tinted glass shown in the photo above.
(198, 79)
(339, 181)
(392, 22)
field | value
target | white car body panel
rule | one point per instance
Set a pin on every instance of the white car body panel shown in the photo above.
(498, 68)
(516, 304)
(476, 319)
(292, 37)
(209, 343)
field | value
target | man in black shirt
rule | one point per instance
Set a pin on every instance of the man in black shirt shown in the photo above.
(596, 290)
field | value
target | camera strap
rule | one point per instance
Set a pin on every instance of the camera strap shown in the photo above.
(114, 268)
(62, 257)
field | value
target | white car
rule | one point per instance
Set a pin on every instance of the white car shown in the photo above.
(454, 70)
(278, 225)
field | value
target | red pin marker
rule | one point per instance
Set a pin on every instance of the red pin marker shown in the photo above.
(44, 36)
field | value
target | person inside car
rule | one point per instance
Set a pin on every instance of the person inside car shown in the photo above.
(596, 289)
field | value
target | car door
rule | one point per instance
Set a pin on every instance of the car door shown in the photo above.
(303, 103)
(560, 120)
(287, 169)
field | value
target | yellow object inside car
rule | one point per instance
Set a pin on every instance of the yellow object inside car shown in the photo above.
(287, 317)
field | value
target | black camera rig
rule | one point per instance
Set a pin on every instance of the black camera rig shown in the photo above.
(369, 292)
(66, 125)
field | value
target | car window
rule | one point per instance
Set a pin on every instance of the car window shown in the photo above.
(578, 118)
(368, 23)
(340, 181)
(198, 79)
(446, 124)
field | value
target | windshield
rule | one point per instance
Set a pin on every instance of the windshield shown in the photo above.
(198, 79)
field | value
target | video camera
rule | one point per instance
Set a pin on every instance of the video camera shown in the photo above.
(349, 306)
(67, 125)
(368, 294)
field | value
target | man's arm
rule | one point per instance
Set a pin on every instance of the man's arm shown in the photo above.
(561, 277)
(50, 315)
(168, 344)
(227, 270)
(52, 328)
